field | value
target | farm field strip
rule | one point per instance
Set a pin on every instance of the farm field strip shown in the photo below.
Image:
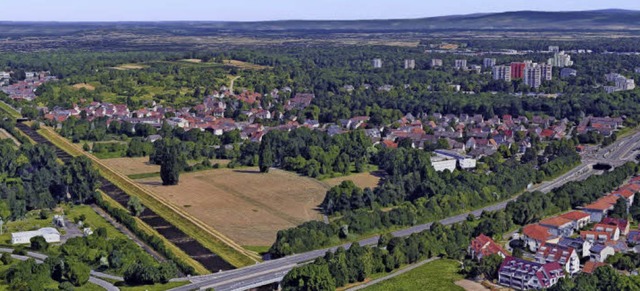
(169, 231)
(245, 204)
(222, 245)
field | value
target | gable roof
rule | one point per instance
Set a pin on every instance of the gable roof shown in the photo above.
(537, 232)
(556, 221)
(575, 215)
(484, 245)
(591, 266)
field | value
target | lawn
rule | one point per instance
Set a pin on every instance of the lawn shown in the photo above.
(6, 108)
(92, 219)
(247, 206)
(437, 275)
(362, 180)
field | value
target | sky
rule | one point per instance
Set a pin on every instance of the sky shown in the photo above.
(253, 10)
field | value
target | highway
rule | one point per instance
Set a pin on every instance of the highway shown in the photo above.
(273, 270)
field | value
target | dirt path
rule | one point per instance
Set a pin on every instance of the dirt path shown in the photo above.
(233, 80)
(469, 285)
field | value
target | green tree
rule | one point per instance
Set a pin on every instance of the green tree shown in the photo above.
(311, 277)
(170, 168)
(266, 155)
(77, 272)
(38, 243)
(619, 209)
(135, 206)
(489, 266)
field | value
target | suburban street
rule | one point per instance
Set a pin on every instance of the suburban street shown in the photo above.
(272, 271)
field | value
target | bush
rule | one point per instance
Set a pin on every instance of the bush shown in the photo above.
(6, 259)
(38, 243)
(66, 286)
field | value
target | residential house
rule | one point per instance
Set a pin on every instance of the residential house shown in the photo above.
(596, 237)
(520, 274)
(580, 219)
(567, 257)
(579, 244)
(600, 208)
(534, 235)
(558, 226)
(600, 252)
(622, 224)
(612, 230)
(483, 246)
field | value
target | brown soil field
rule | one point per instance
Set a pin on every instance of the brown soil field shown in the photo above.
(362, 180)
(132, 166)
(247, 206)
(84, 85)
(129, 166)
(469, 285)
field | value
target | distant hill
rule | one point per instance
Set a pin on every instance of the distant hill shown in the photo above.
(610, 19)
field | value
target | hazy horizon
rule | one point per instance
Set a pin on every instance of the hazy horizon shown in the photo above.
(277, 10)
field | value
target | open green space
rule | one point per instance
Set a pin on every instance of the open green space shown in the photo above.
(434, 276)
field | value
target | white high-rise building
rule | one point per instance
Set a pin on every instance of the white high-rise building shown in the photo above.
(409, 64)
(502, 73)
(547, 72)
(533, 76)
(461, 64)
(560, 60)
(377, 63)
(436, 63)
(489, 62)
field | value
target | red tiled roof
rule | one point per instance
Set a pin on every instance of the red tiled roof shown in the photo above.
(486, 246)
(389, 144)
(603, 203)
(575, 215)
(591, 266)
(537, 232)
(556, 221)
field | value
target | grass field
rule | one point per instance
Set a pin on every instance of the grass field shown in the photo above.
(247, 206)
(84, 86)
(438, 275)
(125, 67)
(244, 65)
(362, 180)
(209, 237)
(6, 108)
(130, 166)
